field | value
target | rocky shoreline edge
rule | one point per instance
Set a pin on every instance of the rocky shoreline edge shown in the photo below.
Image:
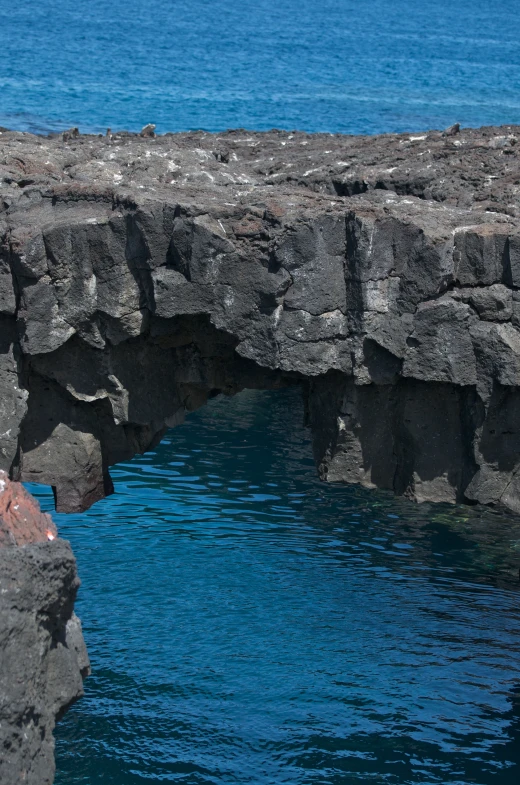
(141, 275)
(42, 652)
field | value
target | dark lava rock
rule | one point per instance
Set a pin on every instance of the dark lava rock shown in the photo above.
(140, 274)
(43, 658)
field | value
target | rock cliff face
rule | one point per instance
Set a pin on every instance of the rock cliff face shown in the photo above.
(138, 276)
(43, 658)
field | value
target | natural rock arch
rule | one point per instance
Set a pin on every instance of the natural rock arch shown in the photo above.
(139, 276)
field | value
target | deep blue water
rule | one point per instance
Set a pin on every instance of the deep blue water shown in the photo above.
(356, 66)
(249, 624)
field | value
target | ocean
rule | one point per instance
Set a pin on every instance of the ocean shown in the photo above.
(348, 66)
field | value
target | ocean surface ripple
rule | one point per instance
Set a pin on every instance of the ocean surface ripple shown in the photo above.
(350, 66)
(249, 624)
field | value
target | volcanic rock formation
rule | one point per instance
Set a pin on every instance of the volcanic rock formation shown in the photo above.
(43, 658)
(140, 275)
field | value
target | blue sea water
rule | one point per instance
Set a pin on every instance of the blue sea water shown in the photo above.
(353, 66)
(249, 624)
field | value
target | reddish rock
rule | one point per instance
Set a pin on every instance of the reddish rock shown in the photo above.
(21, 520)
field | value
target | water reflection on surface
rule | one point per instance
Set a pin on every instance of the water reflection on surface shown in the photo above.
(249, 624)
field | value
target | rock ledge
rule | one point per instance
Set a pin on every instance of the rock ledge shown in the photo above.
(140, 275)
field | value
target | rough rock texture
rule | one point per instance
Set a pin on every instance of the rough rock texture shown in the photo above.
(140, 275)
(21, 520)
(43, 658)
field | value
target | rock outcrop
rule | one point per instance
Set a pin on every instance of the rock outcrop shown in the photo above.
(140, 275)
(43, 658)
(21, 520)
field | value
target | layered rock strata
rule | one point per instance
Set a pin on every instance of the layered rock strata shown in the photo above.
(138, 276)
(43, 658)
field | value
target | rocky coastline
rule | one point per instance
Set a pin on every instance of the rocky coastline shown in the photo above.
(43, 658)
(141, 275)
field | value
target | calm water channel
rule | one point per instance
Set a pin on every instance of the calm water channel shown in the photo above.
(249, 624)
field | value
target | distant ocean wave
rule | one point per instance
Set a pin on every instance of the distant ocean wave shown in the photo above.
(335, 66)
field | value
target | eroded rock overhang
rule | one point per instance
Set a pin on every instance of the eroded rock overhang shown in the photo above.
(138, 276)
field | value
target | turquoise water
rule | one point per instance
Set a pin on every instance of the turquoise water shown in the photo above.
(249, 624)
(355, 66)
